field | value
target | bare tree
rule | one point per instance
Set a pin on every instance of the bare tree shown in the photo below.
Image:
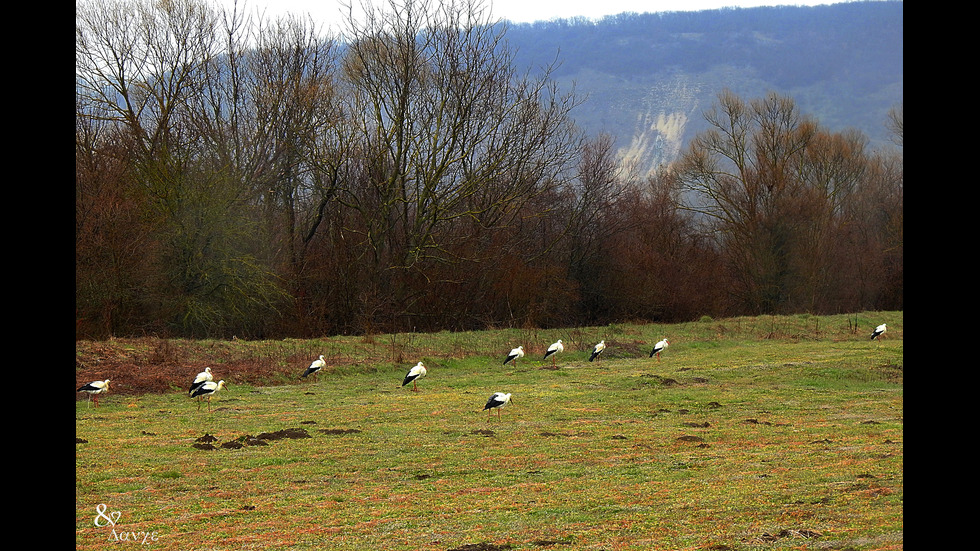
(801, 214)
(137, 59)
(143, 67)
(111, 233)
(750, 176)
(831, 174)
(601, 203)
(451, 134)
(896, 123)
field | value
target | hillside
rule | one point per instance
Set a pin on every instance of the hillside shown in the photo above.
(647, 78)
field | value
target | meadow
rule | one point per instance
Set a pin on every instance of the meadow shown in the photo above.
(751, 433)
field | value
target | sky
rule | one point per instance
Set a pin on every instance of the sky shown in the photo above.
(327, 12)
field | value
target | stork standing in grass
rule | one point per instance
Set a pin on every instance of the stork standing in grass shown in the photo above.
(208, 389)
(315, 367)
(496, 401)
(515, 353)
(553, 351)
(878, 331)
(94, 389)
(658, 348)
(200, 379)
(597, 349)
(414, 374)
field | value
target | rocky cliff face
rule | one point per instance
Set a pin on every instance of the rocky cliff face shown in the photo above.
(662, 124)
(647, 79)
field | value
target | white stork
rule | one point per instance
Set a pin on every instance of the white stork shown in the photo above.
(208, 389)
(553, 350)
(414, 374)
(316, 366)
(496, 401)
(200, 379)
(515, 353)
(658, 348)
(878, 331)
(597, 350)
(94, 389)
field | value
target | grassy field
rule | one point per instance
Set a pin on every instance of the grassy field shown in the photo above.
(770, 432)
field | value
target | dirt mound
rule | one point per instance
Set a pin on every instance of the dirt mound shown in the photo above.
(206, 442)
(482, 547)
(339, 431)
(285, 433)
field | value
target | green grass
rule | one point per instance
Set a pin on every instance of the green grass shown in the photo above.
(750, 433)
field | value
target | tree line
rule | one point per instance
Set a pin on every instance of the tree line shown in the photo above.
(253, 177)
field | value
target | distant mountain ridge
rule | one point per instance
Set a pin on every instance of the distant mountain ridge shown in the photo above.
(649, 77)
